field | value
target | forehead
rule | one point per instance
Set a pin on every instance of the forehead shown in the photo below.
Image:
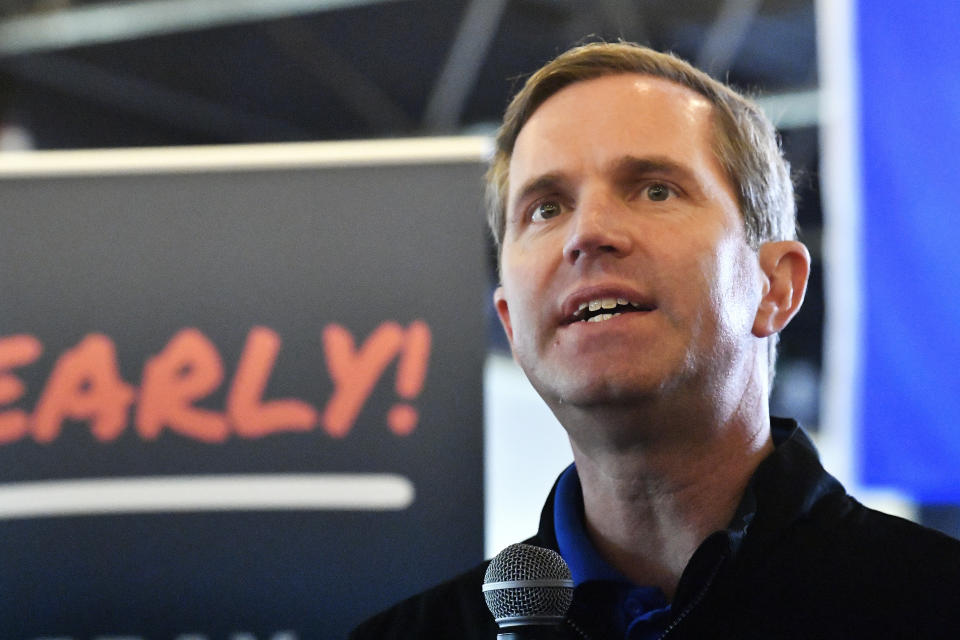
(594, 122)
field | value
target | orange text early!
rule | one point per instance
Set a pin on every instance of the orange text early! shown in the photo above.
(85, 385)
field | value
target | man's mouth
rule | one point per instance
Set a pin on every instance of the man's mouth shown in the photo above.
(606, 308)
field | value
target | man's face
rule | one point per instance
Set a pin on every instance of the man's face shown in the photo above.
(616, 199)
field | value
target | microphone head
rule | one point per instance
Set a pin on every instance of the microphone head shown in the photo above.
(527, 585)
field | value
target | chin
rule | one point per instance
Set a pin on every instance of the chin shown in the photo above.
(602, 391)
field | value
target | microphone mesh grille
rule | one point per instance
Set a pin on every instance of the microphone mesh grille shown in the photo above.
(527, 562)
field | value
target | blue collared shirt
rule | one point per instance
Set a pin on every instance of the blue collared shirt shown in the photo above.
(604, 599)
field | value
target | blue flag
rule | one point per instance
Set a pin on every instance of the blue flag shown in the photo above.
(908, 397)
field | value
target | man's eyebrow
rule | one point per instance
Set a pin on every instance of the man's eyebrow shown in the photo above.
(633, 165)
(546, 182)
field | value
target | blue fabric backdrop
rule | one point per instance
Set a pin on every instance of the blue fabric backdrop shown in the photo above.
(909, 68)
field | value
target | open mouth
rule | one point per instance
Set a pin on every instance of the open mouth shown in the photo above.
(606, 308)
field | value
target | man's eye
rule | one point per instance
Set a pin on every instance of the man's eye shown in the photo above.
(658, 192)
(546, 210)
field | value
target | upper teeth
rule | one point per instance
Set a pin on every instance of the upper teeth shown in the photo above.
(604, 303)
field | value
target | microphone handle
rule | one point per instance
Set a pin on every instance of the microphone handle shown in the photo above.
(529, 632)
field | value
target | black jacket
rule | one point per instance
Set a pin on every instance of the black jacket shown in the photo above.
(812, 563)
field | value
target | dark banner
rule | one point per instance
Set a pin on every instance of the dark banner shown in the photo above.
(237, 404)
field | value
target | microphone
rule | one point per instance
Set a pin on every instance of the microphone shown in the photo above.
(528, 590)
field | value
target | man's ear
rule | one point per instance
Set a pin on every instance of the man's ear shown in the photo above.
(786, 267)
(503, 312)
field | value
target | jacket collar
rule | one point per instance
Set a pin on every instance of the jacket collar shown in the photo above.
(790, 481)
(784, 488)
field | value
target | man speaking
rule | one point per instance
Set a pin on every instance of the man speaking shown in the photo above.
(645, 222)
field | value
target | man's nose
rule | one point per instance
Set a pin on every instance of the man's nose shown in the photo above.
(599, 226)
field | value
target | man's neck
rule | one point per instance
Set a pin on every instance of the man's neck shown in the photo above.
(649, 508)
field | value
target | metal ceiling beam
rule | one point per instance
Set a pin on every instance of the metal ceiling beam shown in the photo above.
(625, 19)
(128, 94)
(726, 35)
(793, 110)
(118, 21)
(467, 54)
(341, 78)
(787, 110)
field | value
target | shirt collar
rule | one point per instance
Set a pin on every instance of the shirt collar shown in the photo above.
(572, 540)
(577, 549)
